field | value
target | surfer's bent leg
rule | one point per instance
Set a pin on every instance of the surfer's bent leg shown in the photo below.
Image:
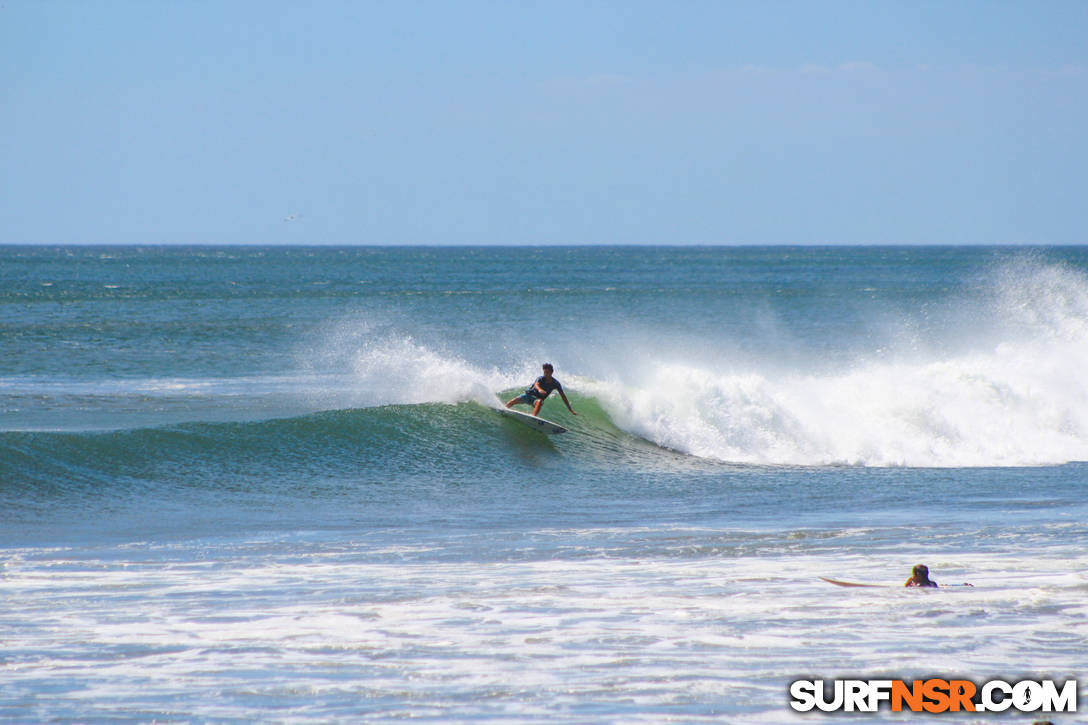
(526, 398)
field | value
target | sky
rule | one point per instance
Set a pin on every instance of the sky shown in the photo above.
(523, 122)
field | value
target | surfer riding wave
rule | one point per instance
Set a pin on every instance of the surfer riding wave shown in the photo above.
(541, 388)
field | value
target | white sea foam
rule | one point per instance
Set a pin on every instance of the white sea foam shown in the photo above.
(229, 629)
(970, 411)
(991, 378)
(996, 379)
(1001, 384)
(382, 364)
(401, 370)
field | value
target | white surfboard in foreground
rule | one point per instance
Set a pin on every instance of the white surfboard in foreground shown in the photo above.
(544, 426)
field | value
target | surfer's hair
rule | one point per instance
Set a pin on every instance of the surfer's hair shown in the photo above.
(547, 366)
(921, 570)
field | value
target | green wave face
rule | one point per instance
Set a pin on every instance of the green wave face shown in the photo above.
(463, 441)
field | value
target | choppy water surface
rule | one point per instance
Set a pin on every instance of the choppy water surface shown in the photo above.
(254, 483)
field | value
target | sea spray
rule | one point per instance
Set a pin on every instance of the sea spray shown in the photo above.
(219, 501)
(1007, 389)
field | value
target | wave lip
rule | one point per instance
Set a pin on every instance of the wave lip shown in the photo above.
(987, 375)
(964, 412)
(991, 375)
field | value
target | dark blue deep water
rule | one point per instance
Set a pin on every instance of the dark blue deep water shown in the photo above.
(267, 484)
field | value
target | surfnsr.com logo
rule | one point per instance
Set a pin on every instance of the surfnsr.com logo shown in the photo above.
(933, 695)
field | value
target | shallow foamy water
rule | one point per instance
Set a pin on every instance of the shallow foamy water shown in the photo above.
(614, 624)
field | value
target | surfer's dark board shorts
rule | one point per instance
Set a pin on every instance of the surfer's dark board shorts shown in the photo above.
(529, 397)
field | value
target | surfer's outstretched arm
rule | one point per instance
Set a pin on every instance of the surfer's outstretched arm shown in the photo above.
(567, 402)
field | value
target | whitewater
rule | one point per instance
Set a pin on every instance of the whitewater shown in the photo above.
(259, 483)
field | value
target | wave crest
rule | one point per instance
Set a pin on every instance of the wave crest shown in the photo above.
(1006, 389)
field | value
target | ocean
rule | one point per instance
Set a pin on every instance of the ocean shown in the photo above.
(268, 484)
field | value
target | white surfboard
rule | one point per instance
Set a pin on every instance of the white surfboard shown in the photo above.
(841, 583)
(544, 426)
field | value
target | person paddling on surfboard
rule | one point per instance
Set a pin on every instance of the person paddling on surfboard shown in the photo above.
(919, 577)
(541, 388)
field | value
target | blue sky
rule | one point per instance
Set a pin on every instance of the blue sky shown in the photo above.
(543, 122)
